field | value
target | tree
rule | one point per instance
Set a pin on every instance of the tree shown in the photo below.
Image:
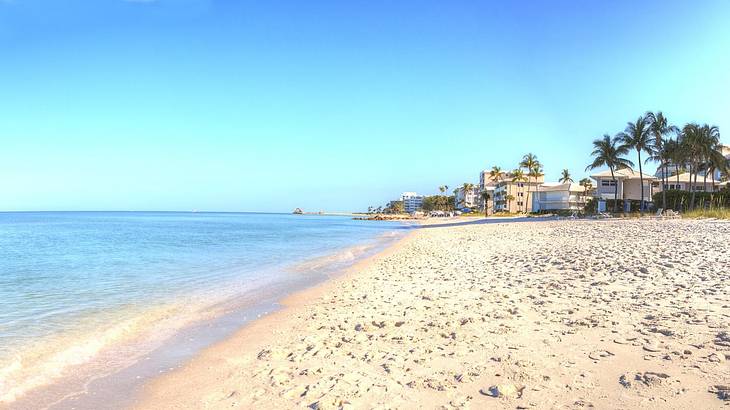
(495, 174)
(659, 128)
(394, 207)
(485, 197)
(467, 187)
(690, 151)
(674, 153)
(509, 198)
(718, 162)
(608, 152)
(533, 167)
(518, 176)
(587, 184)
(637, 135)
(443, 189)
(565, 177)
(711, 152)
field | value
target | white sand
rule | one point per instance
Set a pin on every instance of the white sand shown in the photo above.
(552, 314)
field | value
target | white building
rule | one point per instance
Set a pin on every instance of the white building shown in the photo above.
(412, 202)
(556, 196)
(627, 185)
(470, 199)
(685, 181)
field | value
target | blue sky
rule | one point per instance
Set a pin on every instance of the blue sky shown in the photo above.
(335, 105)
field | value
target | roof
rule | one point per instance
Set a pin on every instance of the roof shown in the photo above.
(559, 186)
(624, 173)
(685, 178)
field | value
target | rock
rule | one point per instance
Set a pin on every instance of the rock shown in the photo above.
(505, 390)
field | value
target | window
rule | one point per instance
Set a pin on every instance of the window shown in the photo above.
(519, 203)
(608, 182)
(520, 194)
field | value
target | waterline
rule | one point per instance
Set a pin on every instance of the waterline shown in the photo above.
(91, 341)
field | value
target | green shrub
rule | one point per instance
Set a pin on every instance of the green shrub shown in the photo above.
(680, 200)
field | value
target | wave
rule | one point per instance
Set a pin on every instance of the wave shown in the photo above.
(105, 343)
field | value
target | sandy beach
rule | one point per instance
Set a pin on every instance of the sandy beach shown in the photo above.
(538, 314)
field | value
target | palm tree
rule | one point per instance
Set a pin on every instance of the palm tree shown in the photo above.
(587, 184)
(519, 176)
(718, 162)
(565, 176)
(485, 197)
(495, 174)
(532, 165)
(442, 189)
(637, 135)
(467, 187)
(690, 151)
(608, 152)
(509, 198)
(711, 151)
(675, 154)
(659, 127)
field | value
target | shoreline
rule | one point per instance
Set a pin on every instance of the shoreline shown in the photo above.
(260, 330)
(458, 316)
(99, 387)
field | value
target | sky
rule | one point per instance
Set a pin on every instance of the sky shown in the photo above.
(223, 105)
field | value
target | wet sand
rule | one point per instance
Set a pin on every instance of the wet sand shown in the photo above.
(540, 314)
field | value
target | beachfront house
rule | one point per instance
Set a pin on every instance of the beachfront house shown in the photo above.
(486, 183)
(627, 184)
(511, 196)
(469, 199)
(412, 202)
(686, 182)
(557, 196)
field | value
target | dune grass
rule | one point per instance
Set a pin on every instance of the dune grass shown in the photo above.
(719, 213)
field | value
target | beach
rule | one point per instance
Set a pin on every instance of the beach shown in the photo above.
(505, 314)
(94, 304)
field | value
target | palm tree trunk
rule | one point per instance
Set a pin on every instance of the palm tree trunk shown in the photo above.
(676, 169)
(641, 181)
(664, 186)
(691, 187)
(615, 190)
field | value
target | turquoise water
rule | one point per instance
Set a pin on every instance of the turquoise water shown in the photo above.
(75, 285)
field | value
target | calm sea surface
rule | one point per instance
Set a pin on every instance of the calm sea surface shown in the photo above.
(83, 287)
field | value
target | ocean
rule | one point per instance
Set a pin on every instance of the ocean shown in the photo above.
(86, 295)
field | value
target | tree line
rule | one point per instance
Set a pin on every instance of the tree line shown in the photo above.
(693, 148)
